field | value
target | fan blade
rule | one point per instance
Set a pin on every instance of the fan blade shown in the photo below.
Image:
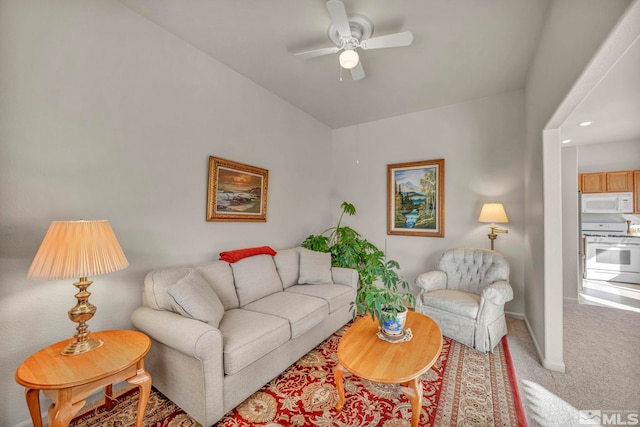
(391, 40)
(339, 17)
(357, 72)
(317, 52)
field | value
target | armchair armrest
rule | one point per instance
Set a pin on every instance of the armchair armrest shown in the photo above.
(189, 336)
(345, 276)
(432, 280)
(498, 292)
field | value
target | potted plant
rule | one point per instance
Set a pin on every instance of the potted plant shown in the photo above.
(382, 293)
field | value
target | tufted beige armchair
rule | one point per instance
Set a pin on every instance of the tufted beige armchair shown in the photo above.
(466, 296)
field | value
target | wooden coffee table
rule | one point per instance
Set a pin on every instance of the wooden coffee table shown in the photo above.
(69, 380)
(363, 354)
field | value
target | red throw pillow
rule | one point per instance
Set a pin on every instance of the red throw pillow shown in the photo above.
(238, 254)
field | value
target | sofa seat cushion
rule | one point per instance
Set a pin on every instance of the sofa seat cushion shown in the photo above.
(337, 296)
(249, 335)
(461, 303)
(302, 311)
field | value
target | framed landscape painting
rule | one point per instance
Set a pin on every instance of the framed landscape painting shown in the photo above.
(416, 198)
(237, 192)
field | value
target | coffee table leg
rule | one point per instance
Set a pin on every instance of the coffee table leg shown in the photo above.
(413, 390)
(338, 373)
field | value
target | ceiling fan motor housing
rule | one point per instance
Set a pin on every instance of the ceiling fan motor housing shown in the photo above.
(361, 29)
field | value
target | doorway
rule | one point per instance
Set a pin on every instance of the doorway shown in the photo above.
(559, 242)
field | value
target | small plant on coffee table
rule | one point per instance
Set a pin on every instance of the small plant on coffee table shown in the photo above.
(382, 293)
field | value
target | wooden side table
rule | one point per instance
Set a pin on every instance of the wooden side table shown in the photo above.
(69, 380)
(363, 354)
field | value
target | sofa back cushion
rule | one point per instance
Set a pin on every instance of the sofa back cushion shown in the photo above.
(155, 287)
(288, 266)
(472, 269)
(255, 277)
(194, 298)
(220, 277)
(315, 267)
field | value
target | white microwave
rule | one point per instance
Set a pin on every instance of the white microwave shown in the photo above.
(607, 203)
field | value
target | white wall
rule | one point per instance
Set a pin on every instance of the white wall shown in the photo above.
(573, 31)
(105, 115)
(481, 142)
(570, 273)
(610, 156)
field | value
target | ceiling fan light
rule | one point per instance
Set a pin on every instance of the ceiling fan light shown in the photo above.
(349, 59)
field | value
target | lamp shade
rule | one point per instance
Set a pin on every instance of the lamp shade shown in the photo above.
(349, 59)
(73, 249)
(493, 213)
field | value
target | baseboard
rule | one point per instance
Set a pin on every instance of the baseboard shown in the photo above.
(552, 366)
(519, 316)
(570, 300)
(28, 423)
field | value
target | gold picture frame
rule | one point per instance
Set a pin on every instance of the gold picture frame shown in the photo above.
(236, 192)
(415, 198)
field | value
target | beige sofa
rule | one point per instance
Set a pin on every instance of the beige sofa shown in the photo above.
(220, 331)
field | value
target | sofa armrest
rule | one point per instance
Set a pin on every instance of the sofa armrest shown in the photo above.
(189, 336)
(185, 354)
(498, 292)
(345, 276)
(432, 280)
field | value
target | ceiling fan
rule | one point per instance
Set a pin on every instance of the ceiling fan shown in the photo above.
(351, 33)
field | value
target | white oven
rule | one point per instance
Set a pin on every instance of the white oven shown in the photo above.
(613, 258)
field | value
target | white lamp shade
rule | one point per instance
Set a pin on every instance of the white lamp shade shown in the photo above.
(493, 213)
(74, 249)
(349, 59)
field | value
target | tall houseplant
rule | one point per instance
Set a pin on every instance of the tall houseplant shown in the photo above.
(382, 293)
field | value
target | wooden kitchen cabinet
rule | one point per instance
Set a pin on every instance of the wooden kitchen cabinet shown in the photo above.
(619, 181)
(636, 191)
(593, 182)
(607, 182)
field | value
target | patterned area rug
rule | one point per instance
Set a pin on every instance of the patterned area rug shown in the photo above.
(464, 388)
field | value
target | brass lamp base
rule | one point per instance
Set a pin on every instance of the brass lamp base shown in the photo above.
(78, 347)
(81, 313)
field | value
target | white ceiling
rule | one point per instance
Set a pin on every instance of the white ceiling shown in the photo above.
(613, 106)
(462, 50)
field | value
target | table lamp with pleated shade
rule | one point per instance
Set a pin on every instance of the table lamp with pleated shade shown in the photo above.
(78, 249)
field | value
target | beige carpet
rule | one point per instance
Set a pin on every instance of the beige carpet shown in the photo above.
(602, 359)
